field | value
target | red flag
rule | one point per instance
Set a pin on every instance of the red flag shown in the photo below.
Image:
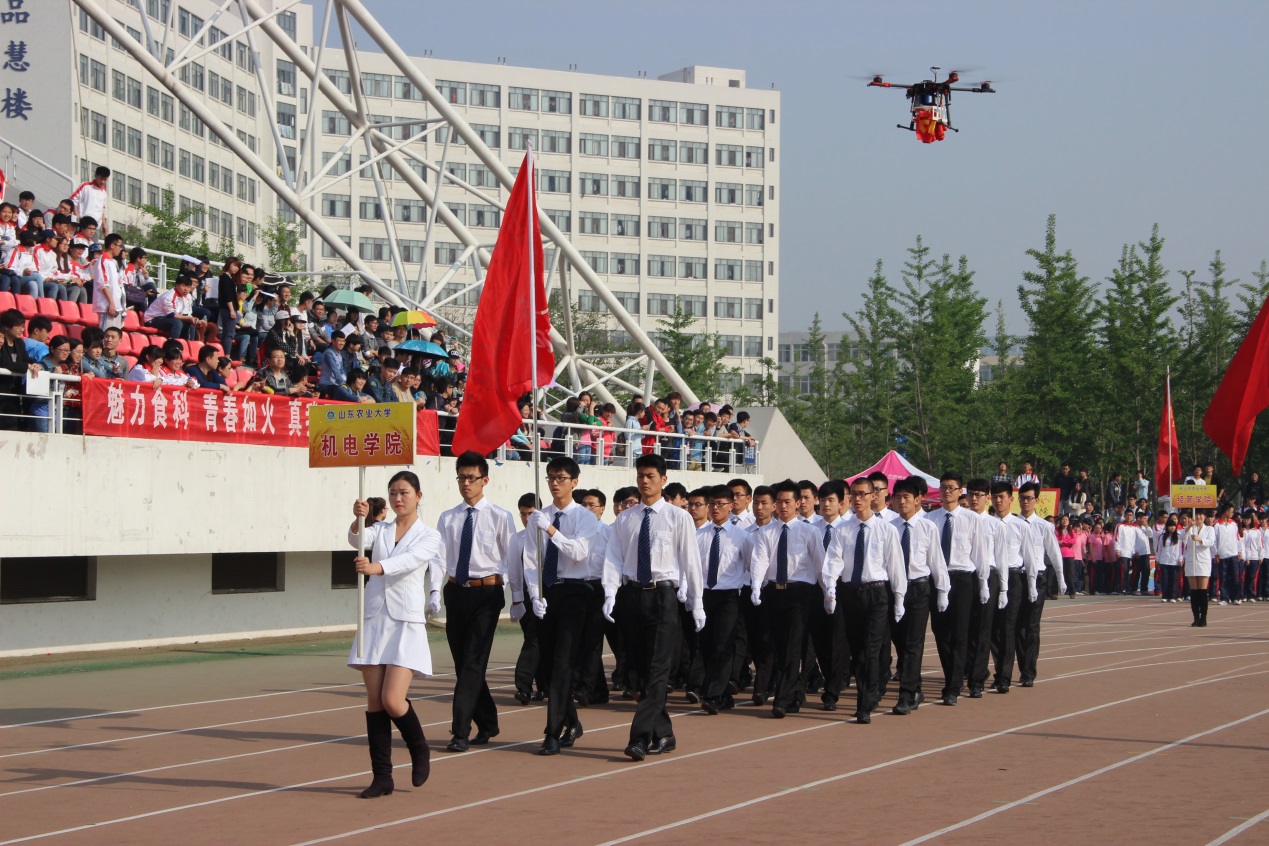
(1242, 394)
(504, 331)
(1167, 461)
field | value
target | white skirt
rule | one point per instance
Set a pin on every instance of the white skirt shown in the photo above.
(389, 641)
(1197, 569)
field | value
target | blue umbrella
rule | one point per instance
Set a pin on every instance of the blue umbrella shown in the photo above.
(426, 348)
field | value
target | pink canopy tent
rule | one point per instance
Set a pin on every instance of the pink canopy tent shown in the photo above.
(896, 467)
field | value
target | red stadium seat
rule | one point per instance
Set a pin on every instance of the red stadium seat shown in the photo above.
(58, 329)
(87, 316)
(131, 323)
(69, 312)
(75, 331)
(192, 349)
(7, 301)
(125, 344)
(139, 342)
(47, 306)
(26, 305)
(132, 361)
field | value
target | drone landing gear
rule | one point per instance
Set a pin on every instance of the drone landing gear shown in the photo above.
(910, 127)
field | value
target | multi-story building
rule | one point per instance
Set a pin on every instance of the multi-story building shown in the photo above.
(669, 187)
(796, 358)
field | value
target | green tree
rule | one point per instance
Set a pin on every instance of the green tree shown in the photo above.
(816, 415)
(993, 421)
(697, 356)
(282, 244)
(868, 374)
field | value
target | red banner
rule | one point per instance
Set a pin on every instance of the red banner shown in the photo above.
(141, 410)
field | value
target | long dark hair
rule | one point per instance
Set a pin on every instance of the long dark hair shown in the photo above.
(1173, 536)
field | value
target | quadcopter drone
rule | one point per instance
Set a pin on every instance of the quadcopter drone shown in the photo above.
(931, 103)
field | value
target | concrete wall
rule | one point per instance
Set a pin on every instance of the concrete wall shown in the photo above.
(152, 512)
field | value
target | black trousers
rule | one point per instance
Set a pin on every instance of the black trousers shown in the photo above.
(757, 640)
(1029, 634)
(978, 647)
(589, 680)
(530, 655)
(951, 629)
(689, 670)
(650, 627)
(718, 641)
(620, 670)
(789, 615)
(471, 619)
(1004, 628)
(1140, 581)
(867, 610)
(909, 638)
(560, 636)
(843, 656)
(820, 654)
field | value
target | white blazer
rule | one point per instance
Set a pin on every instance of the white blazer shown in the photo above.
(402, 589)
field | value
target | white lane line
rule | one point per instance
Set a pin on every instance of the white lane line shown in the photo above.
(1119, 669)
(1239, 829)
(865, 770)
(1079, 779)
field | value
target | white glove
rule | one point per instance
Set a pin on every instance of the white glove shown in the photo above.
(942, 601)
(434, 603)
(1003, 601)
(698, 617)
(517, 611)
(756, 597)
(898, 611)
(984, 594)
(830, 602)
(540, 521)
(539, 608)
(1032, 594)
(683, 593)
(610, 602)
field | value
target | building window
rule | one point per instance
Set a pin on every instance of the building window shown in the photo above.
(753, 233)
(594, 105)
(562, 219)
(624, 264)
(629, 300)
(661, 267)
(727, 269)
(592, 184)
(376, 85)
(554, 141)
(592, 223)
(334, 123)
(753, 195)
(133, 87)
(484, 216)
(589, 301)
(598, 261)
(557, 102)
(625, 225)
(374, 249)
(692, 267)
(662, 111)
(753, 157)
(369, 209)
(692, 191)
(691, 229)
(480, 176)
(727, 231)
(63, 578)
(754, 118)
(625, 147)
(445, 253)
(454, 93)
(555, 181)
(97, 76)
(403, 89)
(728, 307)
(336, 205)
(694, 114)
(693, 152)
(661, 227)
(590, 144)
(662, 189)
(753, 308)
(286, 120)
(692, 304)
(518, 138)
(727, 193)
(625, 186)
(661, 150)
(753, 271)
(731, 344)
(486, 95)
(489, 135)
(522, 99)
(660, 305)
(340, 79)
(410, 211)
(625, 108)
(246, 572)
(286, 78)
(728, 117)
(728, 155)
(753, 346)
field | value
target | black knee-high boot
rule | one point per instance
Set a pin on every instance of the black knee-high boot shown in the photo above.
(379, 739)
(420, 754)
(1194, 608)
(1204, 597)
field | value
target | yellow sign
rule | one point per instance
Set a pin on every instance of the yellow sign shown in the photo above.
(363, 435)
(1193, 496)
(1045, 506)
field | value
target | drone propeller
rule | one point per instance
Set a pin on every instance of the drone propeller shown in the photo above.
(866, 77)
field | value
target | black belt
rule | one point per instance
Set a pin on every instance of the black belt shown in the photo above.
(918, 579)
(577, 581)
(664, 583)
(863, 585)
(722, 590)
(787, 585)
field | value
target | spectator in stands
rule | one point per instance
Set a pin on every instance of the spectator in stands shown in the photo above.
(22, 277)
(26, 201)
(67, 271)
(334, 362)
(172, 313)
(108, 291)
(275, 378)
(379, 385)
(44, 256)
(171, 370)
(148, 363)
(8, 237)
(116, 364)
(57, 353)
(227, 313)
(94, 362)
(737, 431)
(317, 328)
(355, 390)
(606, 438)
(284, 336)
(206, 373)
(654, 421)
(90, 197)
(694, 427)
(370, 335)
(87, 230)
(299, 325)
(13, 358)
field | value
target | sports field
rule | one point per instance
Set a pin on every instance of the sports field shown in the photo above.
(1139, 729)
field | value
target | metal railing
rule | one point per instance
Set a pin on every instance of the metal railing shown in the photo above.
(589, 445)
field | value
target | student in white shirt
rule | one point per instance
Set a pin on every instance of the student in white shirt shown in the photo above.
(477, 535)
(830, 644)
(90, 198)
(109, 298)
(742, 493)
(528, 685)
(1226, 551)
(808, 502)
(982, 615)
(756, 632)
(1044, 548)
(1125, 546)
(1019, 587)
(1167, 556)
(591, 686)
(719, 543)
(1200, 540)
(927, 578)
(1139, 579)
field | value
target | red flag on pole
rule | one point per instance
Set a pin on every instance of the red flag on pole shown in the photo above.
(502, 338)
(1243, 393)
(1167, 461)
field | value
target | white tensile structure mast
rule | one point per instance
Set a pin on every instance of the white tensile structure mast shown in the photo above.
(575, 368)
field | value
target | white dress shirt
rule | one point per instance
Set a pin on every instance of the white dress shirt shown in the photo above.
(515, 565)
(992, 536)
(400, 591)
(1125, 540)
(804, 552)
(883, 559)
(744, 519)
(1226, 532)
(674, 554)
(731, 565)
(886, 514)
(1024, 479)
(924, 551)
(1016, 551)
(1043, 539)
(169, 303)
(578, 525)
(970, 552)
(492, 527)
(598, 549)
(1169, 554)
(752, 534)
(1141, 544)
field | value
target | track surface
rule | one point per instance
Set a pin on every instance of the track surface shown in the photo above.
(1139, 729)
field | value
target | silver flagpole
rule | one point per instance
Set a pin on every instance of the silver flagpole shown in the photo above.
(533, 352)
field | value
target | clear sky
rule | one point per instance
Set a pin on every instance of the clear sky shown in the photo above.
(1112, 115)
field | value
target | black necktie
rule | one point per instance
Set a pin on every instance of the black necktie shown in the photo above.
(905, 542)
(828, 534)
(644, 572)
(551, 559)
(462, 573)
(782, 556)
(713, 558)
(946, 539)
(861, 549)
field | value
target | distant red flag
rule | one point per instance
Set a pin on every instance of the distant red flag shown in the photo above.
(500, 371)
(1243, 393)
(1167, 461)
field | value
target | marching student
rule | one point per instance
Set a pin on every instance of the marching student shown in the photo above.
(872, 586)
(982, 614)
(394, 647)
(785, 567)
(741, 506)
(528, 683)
(1017, 587)
(1043, 540)
(562, 586)
(881, 496)
(623, 676)
(968, 564)
(1200, 541)
(690, 670)
(477, 536)
(651, 556)
(719, 543)
(828, 628)
(756, 633)
(927, 570)
(592, 686)
(808, 502)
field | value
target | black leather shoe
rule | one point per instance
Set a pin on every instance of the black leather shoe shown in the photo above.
(570, 735)
(538, 696)
(1028, 683)
(627, 694)
(777, 712)
(637, 750)
(894, 677)
(581, 700)
(829, 705)
(949, 700)
(863, 717)
(665, 744)
(1001, 688)
(759, 699)
(522, 697)
(795, 707)
(550, 746)
(693, 696)
(901, 709)
(710, 706)
(920, 697)
(733, 688)
(482, 737)
(975, 693)
(458, 744)
(728, 702)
